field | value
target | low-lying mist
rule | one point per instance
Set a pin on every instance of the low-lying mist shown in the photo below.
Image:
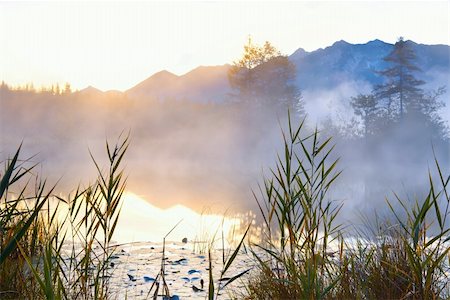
(204, 156)
(201, 155)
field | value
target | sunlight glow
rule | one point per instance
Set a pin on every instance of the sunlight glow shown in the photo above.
(115, 45)
(141, 221)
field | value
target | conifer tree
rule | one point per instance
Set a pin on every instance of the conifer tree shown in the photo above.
(401, 90)
(264, 77)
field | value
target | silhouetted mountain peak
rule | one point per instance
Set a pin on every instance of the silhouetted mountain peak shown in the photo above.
(164, 74)
(299, 54)
(376, 42)
(90, 90)
(340, 43)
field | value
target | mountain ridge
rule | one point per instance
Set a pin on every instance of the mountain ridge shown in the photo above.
(321, 69)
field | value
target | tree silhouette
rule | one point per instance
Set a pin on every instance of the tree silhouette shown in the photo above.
(264, 77)
(401, 90)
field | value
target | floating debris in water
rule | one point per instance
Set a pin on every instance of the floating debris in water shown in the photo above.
(173, 297)
(131, 277)
(196, 289)
(148, 279)
(181, 261)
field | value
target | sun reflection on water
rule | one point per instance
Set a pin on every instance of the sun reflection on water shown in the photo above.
(142, 221)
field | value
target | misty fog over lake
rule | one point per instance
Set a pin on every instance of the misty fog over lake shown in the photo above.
(192, 144)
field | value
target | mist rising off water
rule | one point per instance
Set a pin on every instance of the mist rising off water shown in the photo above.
(204, 156)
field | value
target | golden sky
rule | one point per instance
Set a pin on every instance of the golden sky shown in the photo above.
(115, 45)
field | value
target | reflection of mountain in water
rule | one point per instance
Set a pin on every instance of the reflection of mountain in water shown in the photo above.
(142, 221)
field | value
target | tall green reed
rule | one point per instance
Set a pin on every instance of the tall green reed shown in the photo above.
(408, 259)
(40, 233)
(19, 230)
(92, 218)
(295, 262)
(424, 234)
(228, 259)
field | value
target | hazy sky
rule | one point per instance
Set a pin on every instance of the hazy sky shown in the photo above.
(116, 45)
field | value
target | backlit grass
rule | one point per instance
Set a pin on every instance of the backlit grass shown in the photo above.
(61, 247)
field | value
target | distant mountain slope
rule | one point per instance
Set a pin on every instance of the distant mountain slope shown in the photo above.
(204, 84)
(322, 69)
(327, 68)
(90, 90)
